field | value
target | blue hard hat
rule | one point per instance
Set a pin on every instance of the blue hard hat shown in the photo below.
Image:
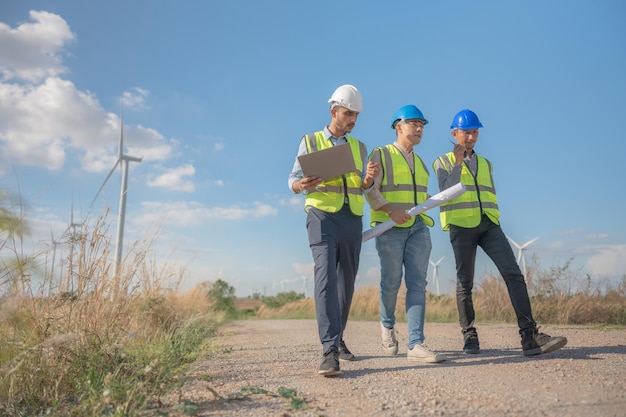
(465, 120)
(407, 112)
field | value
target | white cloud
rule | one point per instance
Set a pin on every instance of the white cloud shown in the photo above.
(218, 145)
(42, 117)
(576, 231)
(599, 236)
(608, 260)
(294, 201)
(136, 99)
(304, 269)
(174, 179)
(33, 51)
(191, 213)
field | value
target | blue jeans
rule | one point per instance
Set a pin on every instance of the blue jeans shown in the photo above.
(490, 237)
(409, 248)
(335, 242)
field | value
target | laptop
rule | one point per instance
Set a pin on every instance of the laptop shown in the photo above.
(328, 163)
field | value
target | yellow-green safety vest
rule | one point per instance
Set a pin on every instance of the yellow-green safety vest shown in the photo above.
(329, 195)
(401, 187)
(479, 197)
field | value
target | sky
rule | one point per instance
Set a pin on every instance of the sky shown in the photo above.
(218, 94)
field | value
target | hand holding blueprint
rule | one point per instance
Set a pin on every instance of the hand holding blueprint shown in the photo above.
(434, 201)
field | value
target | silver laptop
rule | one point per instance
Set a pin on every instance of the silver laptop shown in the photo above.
(328, 163)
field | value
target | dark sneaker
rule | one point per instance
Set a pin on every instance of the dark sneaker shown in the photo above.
(344, 352)
(471, 344)
(330, 364)
(535, 343)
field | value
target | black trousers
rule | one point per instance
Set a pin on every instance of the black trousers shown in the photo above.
(491, 239)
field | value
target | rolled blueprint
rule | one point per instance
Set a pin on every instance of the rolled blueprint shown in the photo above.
(434, 201)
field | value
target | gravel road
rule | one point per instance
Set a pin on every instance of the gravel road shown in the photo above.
(258, 357)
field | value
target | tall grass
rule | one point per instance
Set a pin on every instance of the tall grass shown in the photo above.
(102, 339)
(559, 295)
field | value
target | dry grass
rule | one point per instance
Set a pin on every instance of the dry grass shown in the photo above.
(100, 339)
(491, 303)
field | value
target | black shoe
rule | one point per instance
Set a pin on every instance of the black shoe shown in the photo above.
(330, 364)
(344, 353)
(471, 344)
(535, 343)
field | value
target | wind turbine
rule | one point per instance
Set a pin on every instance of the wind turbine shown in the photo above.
(520, 251)
(55, 243)
(304, 280)
(123, 161)
(436, 272)
(72, 239)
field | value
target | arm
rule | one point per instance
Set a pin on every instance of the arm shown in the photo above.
(375, 198)
(297, 182)
(373, 195)
(449, 178)
(371, 169)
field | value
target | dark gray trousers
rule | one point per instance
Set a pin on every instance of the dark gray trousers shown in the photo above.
(335, 241)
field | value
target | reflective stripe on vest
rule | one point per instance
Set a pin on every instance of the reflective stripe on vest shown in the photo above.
(330, 195)
(480, 196)
(400, 187)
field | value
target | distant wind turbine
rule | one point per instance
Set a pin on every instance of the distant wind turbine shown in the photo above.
(72, 238)
(55, 243)
(123, 161)
(520, 252)
(436, 272)
(304, 280)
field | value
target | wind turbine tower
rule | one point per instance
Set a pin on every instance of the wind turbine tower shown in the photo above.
(55, 243)
(123, 161)
(72, 239)
(520, 252)
(436, 272)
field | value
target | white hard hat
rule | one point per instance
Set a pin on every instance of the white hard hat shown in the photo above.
(347, 96)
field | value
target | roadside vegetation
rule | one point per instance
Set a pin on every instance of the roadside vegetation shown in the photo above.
(559, 295)
(88, 338)
(91, 338)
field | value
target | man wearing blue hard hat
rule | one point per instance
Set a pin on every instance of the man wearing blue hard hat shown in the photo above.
(401, 185)
(473, 220)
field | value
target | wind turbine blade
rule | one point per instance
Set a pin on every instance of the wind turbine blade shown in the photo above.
(105, 181)
(440, 259)
(525, 245)
(121, 146)
(72, 210)
(512, 241)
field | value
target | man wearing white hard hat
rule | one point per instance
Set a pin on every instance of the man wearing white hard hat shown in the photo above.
(334, 224)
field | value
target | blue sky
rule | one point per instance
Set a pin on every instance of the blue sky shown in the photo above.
(218, 94)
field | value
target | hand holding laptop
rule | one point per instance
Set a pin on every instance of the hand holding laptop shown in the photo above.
(308, 184)
(328, 163)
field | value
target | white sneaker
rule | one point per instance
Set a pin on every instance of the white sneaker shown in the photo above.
(390, 344)
(421, 353)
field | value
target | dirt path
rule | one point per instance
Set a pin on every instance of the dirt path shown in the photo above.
(586, 378)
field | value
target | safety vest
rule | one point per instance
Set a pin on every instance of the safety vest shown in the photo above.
(479, 197)
(330, 195)
(401, 187)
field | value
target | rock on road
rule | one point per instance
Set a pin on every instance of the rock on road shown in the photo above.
(257, 357)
